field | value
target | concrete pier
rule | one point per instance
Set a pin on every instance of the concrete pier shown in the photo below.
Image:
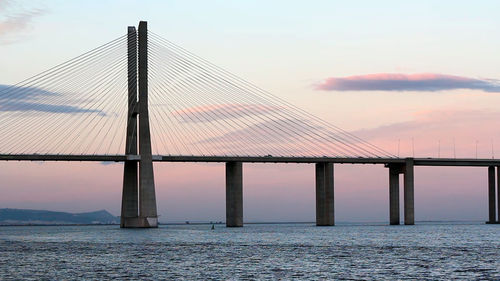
(498, 194)
(491, 195)
(409, 201)
(325, 203)
(130, 196)
(147, 196)
(234, 194)
(138, 198)
(394, 171)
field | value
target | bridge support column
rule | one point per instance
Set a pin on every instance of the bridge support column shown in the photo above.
(491, 195)
(498, 194)
(138, 198)
(130, 196)
(409, 204)
(325, 203)
(394, 171)
(147, 196)
(234, 194)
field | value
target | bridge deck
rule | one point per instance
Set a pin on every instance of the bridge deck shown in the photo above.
(252, 159)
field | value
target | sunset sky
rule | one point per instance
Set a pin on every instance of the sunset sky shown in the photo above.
(422, 76)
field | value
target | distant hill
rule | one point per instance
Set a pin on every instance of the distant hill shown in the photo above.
(41, 217)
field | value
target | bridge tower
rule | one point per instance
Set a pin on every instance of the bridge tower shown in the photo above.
(138, 197)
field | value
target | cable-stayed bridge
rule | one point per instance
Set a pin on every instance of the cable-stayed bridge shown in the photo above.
(141, 99)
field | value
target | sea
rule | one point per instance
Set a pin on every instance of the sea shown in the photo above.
(425, 251)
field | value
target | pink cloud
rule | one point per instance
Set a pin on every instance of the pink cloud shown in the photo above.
(16, 18)
(448, 133)
(426, 82)
(213, 112)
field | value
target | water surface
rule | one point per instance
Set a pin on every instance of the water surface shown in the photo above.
(254, 252)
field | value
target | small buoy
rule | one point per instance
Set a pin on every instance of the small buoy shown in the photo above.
(213, 227)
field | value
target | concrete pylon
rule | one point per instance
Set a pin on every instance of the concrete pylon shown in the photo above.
(234, 194)
(147, 195)
(491, 195)
(394, 171)
(130, 196)
(409, 201)
(138, 199)
(325, 198)
(498, 194)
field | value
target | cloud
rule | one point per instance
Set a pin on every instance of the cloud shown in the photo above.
(422, 82)
(450, 133)
(14, 19)
(40, 107)
(284, 133)
(13, 93)
(275, 137)
(21, 99)
(461, 121)
(281, 130)
(214, 112)
(4, 5)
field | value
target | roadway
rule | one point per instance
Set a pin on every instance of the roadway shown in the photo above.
(468, 162)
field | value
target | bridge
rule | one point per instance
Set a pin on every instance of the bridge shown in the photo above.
(141, 99)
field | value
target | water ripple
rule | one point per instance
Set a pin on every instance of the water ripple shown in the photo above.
(255, 252)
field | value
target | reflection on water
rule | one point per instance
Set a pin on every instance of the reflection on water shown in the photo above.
(266, 251)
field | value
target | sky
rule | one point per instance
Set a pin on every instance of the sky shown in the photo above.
(415, 78)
